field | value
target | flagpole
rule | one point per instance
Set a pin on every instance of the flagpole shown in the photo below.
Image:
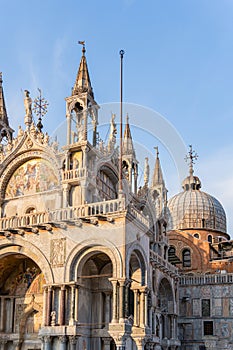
(122, 52)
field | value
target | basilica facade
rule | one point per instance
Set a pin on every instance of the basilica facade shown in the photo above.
(90, 260)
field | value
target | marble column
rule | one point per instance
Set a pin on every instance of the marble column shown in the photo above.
(62, 305)
(2, 315)
(2, 344)
(45, 306)
(114, 301)
(49, 305)
(73, 339)
(107, 308)
(68, 128)
(76, 315)
(136, 318)
(142, 309)
(62, 341)
(121, 301)
(72, 305)
(107, 343)
(47, 342)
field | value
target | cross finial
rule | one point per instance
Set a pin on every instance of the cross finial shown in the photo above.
(190, 157)
(83, 44)
(157, 151)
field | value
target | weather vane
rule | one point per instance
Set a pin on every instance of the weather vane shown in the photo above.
(190, 157)
(83, 44)
(40, 108)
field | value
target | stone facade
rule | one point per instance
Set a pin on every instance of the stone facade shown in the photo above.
(83, 265)
(92, 262)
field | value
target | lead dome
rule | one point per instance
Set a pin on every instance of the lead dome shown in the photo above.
(194, 209)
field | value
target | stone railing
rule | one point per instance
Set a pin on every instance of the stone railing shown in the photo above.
(164, 264)
(84, 211)
(64, 214)
(74, 174)
(206, 279)
(32, 219)
(139, 216)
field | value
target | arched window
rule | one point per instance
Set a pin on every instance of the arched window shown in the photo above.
(186, 258)
(210, 238)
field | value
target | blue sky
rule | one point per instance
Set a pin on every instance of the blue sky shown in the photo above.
(178, 62)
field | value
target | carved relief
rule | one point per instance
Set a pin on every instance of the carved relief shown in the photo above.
(58, 252)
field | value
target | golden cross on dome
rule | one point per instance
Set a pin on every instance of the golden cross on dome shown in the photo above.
(190, 157)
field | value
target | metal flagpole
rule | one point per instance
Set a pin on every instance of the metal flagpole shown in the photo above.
(122, 52)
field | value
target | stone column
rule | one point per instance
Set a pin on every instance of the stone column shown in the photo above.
(107, 308)
(47, 342)
(142, 309)
(136, 318)
(85, 116)
(114, 301)
(62, 305)
(122, 301)
(2, 344)
(49, 305)
(127, 286)
(130, 176)
(135, 179)
(76, 315)
(2, 315)
(62, 340)
(140, 343)
(72, 306)
(107, 342)
(120, 343)
(68, 128)
(11, 315)
(73, 341)
(45, 306)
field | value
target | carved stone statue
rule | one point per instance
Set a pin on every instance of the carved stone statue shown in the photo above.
(28, 108)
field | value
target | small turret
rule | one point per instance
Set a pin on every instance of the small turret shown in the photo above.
(129, 161)
(158, 189)
(5, 129)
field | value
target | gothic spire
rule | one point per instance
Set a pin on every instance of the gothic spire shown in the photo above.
(127, 144)
(158, 174)
(3, 112)
(83, 82)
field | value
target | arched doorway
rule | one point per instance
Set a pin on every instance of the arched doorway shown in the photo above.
(95, 291)
(21, 300)
(166, 309)
(137, 295)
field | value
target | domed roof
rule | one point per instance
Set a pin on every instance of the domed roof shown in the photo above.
(194, 209)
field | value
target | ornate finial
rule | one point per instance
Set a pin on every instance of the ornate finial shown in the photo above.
(157, 151)
(190, 157)
(83, 44)
(127, 118)
(40, 108)
(0, 77)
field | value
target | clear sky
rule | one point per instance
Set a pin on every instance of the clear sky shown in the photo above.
(178, 62)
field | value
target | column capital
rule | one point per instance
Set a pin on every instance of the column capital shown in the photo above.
(73, 339)
(63, 339)
(47, 339)
(143, 289)
(107, 341)
(120, 340)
